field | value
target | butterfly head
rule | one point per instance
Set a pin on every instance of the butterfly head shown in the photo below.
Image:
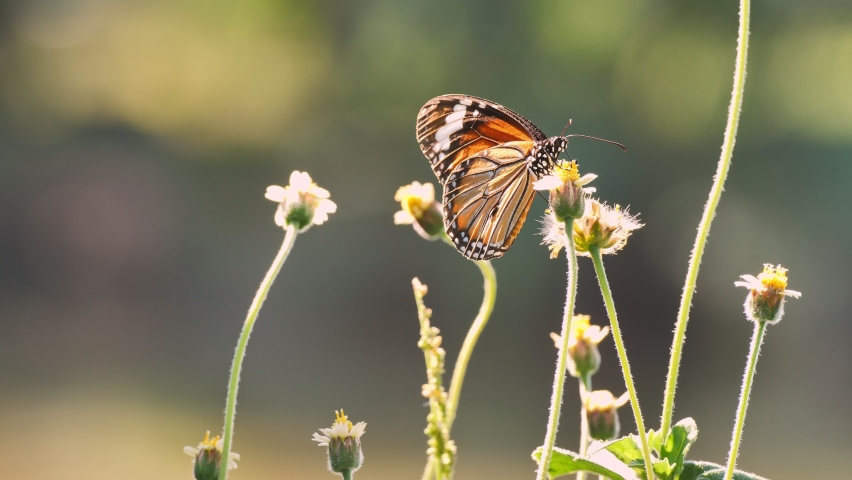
(545, 155)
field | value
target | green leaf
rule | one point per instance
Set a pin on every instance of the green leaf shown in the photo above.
(625, 449)
(663, 469)
(565, 462)
(673, 448)
(713, 471)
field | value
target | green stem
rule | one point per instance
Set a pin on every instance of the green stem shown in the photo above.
(347, 475)
(562, 356)
(709, 211)
(622, 356)
(489, 278)
(754, 352)
(585, 386)
(490, 287)
(233, 384)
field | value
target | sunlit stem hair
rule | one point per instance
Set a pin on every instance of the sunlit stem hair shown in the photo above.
(242, 343)
(561, 362)
(595, 253)
(489, 278)
(709, 212)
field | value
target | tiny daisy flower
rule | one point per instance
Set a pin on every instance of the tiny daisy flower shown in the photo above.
(603, 227)
(583, 355)
(344, 444)
(567, 189)
(301, 203)
(602, 413)
(207, 457)
(765, 301)
(420, 209)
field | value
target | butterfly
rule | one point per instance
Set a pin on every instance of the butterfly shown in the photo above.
(486, 158)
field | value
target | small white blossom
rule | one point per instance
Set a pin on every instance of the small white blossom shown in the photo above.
(301, 203)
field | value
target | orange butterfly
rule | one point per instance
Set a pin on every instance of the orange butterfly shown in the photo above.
(487, 158)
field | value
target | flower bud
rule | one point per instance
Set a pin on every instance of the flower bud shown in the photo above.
(207, 458)
(602, 414)
(583, 356)
(765, 301)
(420, 210)
(344, 444)
(567, 190)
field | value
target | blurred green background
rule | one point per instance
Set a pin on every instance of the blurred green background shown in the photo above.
(137, 138)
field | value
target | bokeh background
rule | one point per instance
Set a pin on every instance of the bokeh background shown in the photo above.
(137, 138)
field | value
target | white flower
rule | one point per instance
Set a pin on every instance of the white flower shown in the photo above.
(603, 227)
(567, 189)
(415, 199)
(210, 449)
(772, 279)
(301, 203)
(340, 430)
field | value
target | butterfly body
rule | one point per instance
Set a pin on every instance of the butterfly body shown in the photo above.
(487, 158)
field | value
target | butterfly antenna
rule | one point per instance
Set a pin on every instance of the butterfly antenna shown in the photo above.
(570, 121)
(598, 139)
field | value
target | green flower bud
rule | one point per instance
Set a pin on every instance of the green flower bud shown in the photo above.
(602, 414)
(765, 301)
(207, 458)
(583, 355)
(344, 444)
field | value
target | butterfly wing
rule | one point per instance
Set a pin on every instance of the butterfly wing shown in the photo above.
(486, 200)
(452, 128)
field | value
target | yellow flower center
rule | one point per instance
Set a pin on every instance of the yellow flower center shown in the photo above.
(579, 325)
(773, 278)
(567, 171)
(341, 417)
(412, 201)
(208, 443)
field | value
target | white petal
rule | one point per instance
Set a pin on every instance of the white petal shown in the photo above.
(318, 192)
(358, 429)
(622, 400)
(276, 193)
(191, 451)
(792, 293)
(320, 217)
(589, 190)
(280, 218)
(327, 206)
(403, 218)
(300, 180)
(428, 193)
(547, 182)
(586, 179)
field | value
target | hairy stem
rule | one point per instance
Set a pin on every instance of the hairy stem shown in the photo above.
(562, 356)
(254, 309)
(490, 286)
(709, 211)
(585, 386)
(622, 357)
(754, 352)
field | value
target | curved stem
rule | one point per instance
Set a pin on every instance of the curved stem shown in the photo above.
(585, 386)
(233, 384)
(622, 356)
(490, 295)
(709, 211)
(754, 352)
(489, 278)
(562, 356)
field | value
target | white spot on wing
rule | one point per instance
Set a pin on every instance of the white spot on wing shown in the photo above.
(458, 107)
(444, 132)
(456, 115)
(466, 101)
(443, 144)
